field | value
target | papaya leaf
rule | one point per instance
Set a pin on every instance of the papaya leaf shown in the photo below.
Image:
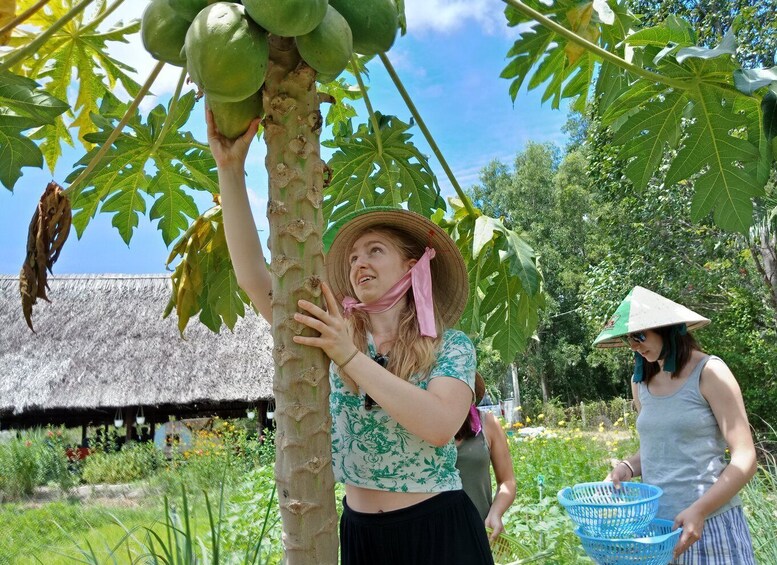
(748, 81)
(204, 280)
(728, 46)
(505, 283)
(717, 145)
(363, 176)
(341, 92)
(122, 183)
(769, 112)
(646, 136)
(77, 47)
(673, 30)
(23, 106)
(565, 66)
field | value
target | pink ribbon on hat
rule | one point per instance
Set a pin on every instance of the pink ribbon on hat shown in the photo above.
(419, 277)
(475, 423)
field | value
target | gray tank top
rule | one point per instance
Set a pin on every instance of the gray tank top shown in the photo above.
(682, 449)
(474, 465)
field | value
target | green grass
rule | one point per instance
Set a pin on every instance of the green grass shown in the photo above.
(29, 532)
(543, 465)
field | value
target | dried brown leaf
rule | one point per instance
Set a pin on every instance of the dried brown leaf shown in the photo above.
(48, 231)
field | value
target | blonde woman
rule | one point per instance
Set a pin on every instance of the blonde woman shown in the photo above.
(401, 380)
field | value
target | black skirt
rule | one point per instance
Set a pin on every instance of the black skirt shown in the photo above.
(443, 530)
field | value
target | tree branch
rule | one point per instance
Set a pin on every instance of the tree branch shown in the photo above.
(117, 130)
(593, 48)
(427, 134)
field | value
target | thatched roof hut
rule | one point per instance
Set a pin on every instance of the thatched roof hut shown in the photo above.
(102, 345)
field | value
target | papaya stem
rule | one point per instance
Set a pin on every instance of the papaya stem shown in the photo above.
(170, 112)
(375, 126)
(593, 48)
(32, 47)
(23, 17)
(427, 134)
(99, 19)
(117, 130)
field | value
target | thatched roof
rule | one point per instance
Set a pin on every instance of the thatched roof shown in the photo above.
(102, 343)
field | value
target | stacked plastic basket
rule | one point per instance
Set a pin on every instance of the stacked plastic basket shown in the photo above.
(619, 526)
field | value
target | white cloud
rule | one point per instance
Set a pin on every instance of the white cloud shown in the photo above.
(451, 15)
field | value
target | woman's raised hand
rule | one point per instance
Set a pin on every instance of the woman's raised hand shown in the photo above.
(229, 151)
(334, 338)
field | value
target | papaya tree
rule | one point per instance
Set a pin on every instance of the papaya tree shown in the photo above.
(285, 76)
(131, 159)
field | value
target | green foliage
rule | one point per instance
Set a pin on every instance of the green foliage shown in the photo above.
(32, 459)
(204, 280)
(671, 96)
(567, 67)
(75, 48)
(364, 173)
(24, 106)
(505, 282)
(121, 185)
(133, 462)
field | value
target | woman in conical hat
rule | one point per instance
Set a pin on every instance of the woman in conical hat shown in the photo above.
(690, 410)
(402, 380)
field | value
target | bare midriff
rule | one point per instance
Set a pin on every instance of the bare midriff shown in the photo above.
(372, 501)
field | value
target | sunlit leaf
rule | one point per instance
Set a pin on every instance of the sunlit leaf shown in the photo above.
(362, 174)
(142, 166)
(75, 48)
(23, 106)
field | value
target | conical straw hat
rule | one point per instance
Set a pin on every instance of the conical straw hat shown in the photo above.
(642, 310)
(450, 282)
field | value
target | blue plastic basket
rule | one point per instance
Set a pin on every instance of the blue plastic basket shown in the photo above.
(652, 545)
(609, 513)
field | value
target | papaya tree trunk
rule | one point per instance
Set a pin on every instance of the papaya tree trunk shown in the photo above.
(303, 465)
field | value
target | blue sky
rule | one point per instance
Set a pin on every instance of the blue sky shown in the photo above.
(450, 62)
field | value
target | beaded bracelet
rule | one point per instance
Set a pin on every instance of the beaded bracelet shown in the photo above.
(625, 462)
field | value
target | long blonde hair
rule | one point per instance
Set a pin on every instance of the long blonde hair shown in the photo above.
(410, 352)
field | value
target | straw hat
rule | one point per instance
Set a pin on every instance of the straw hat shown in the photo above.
(643, 310)
(480, 388)
(450, 284)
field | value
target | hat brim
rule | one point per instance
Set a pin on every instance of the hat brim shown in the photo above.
(450, 283)
(642, 310)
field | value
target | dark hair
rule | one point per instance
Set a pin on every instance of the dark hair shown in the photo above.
(465, 431)
(686, 344)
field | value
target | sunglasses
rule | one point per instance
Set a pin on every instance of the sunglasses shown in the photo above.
(369, 403)
(634, 338)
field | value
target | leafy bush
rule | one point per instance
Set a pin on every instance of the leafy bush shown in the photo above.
(19, 467)
(135, 461)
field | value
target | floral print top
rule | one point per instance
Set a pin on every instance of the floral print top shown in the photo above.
(371, 450)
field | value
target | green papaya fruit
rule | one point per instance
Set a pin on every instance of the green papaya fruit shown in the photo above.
(373, 23)
(286, 18)
(233, 118)
(226, 52)
(329, 47)
(188, 9)
(163, 31)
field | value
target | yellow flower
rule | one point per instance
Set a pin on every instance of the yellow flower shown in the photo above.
(562, 423)
(540, 416)
(528, 420)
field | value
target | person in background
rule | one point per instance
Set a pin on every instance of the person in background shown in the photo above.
(690, 411)
(481, 444)
(401, 379)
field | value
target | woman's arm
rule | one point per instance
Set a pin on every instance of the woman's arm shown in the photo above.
(502, 463)
(245, 250)
(623, 469)
(722, 392)
(434, 414)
